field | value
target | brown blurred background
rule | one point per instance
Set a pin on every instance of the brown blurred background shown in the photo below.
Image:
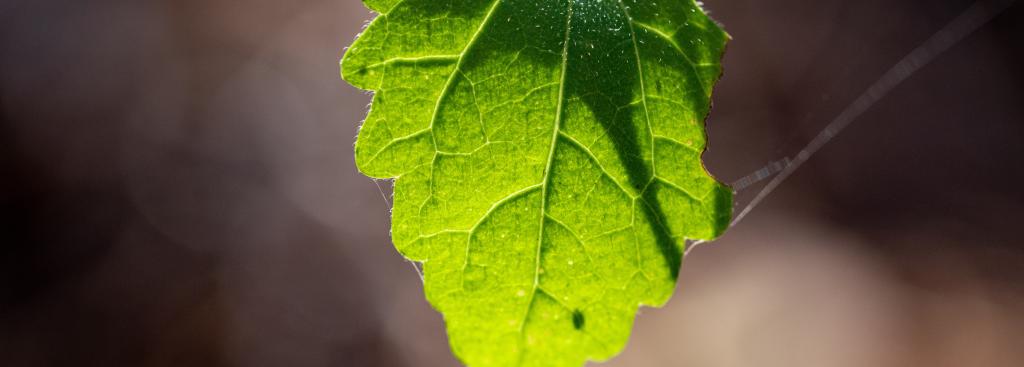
(177, 189)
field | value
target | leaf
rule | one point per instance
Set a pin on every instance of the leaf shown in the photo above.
(547, 162)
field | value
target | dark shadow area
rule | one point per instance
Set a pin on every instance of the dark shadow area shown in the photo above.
(605, 80)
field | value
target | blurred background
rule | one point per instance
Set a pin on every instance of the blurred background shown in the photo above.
(178, 189)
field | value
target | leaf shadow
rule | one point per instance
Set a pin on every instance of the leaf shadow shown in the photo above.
(605, 81)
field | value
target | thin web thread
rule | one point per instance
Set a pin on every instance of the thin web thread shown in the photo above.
(415, 265)
(970, 20)
(966, 23)
(382, 194)
(760, 175)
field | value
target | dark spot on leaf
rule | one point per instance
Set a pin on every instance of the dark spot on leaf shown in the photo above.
(577, 319)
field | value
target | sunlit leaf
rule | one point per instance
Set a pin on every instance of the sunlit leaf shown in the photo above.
(547, 162)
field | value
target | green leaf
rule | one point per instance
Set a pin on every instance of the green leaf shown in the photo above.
(547, 162)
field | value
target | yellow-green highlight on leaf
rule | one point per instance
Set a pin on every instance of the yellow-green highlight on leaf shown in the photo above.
(547, 162)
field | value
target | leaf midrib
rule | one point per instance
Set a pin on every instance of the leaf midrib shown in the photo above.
(546, 180)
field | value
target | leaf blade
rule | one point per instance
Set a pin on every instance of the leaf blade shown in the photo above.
(532, 187)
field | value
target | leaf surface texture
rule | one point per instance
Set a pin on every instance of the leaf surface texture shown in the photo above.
(547, 162)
